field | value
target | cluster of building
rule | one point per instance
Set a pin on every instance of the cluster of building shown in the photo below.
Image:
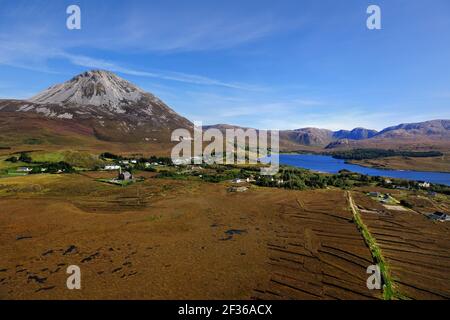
(126, 175)
(186, 161)
(27, 170)
(424, 185)
(385, 198)
(112, 167)
(239, 180)
(122, 176)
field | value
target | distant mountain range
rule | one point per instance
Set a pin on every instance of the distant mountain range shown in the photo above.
(323, 137)
(98, 106)
(435, 133)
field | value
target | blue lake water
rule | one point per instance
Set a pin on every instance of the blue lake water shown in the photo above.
(330, 165)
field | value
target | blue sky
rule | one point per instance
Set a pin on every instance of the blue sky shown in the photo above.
(266, 64)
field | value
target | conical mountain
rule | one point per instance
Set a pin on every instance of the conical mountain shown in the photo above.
(111, 107)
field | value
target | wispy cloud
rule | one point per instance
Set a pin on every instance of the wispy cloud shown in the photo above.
(34, 56)
(24, 45)
(197, 25)
(193, 31)
(164, 75)
(162, 26)
(266, 112)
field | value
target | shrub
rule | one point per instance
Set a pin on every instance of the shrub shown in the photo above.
(24, 157)
(406, 204)
(12, 159)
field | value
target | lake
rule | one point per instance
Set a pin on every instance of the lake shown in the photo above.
(330, 165)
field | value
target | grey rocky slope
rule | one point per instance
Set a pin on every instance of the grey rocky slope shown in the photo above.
(114, 108)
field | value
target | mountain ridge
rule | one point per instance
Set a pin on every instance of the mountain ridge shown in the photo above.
(427, 132)
(109, 108)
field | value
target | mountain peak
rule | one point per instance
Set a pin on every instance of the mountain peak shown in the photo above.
(100, 103)
(98, 88)
(94, 73)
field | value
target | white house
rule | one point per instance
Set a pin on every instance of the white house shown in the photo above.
(112, 167)
(424, 185)
(179, 162)
(125, 176)
(24, 169)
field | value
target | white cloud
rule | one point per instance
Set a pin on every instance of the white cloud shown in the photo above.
(164, 75)
(193, 36)
(34, 56)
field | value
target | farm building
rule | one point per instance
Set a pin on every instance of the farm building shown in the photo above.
(424, 185)
(125, 176)
(237, 189)
(112, 167)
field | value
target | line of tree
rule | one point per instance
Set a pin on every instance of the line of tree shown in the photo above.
(299, 179)
(23, 157)
(302, 179)
(57, 167)
(161, 160)
(109, 155)
(361, 154)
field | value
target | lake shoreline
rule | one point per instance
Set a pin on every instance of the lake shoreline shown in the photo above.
(388, 166)
(367, 165)
(328, 164)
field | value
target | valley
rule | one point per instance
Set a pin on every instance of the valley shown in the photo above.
(220, 159)
(85, 180)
